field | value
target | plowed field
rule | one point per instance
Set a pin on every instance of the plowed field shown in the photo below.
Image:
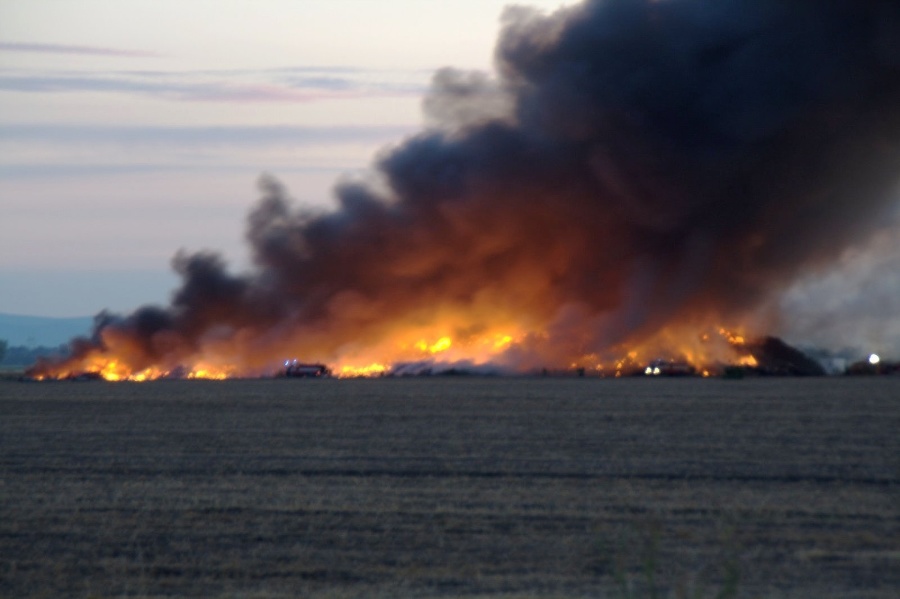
(451, 486)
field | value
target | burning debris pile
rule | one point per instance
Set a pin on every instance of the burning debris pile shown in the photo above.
(774, 356)
(638, 171)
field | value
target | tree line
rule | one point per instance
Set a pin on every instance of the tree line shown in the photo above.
(21, 355)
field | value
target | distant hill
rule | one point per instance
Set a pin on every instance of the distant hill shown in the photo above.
(40, 330)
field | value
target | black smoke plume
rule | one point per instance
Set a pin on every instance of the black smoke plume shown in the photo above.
(634, 164)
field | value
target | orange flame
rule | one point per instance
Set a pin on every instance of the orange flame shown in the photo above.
(448, 342)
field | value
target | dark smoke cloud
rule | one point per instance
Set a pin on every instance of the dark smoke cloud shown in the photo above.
(633, 164)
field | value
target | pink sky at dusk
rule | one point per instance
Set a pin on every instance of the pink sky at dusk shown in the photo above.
(130, 130)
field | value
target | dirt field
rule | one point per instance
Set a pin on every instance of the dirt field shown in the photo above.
(451, 487)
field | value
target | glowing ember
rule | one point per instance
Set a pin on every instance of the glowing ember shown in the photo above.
(371, 370)
(210, 374)
(748, 360)
(438, 346)
(732, 337)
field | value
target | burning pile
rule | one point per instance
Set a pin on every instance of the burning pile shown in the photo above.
(637, 173)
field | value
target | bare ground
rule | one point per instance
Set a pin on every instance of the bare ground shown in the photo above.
(451, 487)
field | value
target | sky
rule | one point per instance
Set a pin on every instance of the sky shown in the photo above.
(130, 130)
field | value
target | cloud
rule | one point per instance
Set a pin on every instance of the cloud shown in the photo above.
(215, 135)
(67, 49)
(269, 85)
(70, 171)
(213, 91)
(44, 151)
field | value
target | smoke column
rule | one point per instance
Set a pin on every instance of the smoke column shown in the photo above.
(632, 166)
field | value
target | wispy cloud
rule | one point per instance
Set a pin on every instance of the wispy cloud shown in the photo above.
(272, 85)
(199, 136)
(44, 172)
(44, 151)
(211, 91)
(67, 49)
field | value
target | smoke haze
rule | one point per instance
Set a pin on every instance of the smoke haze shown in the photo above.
(633, 168)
